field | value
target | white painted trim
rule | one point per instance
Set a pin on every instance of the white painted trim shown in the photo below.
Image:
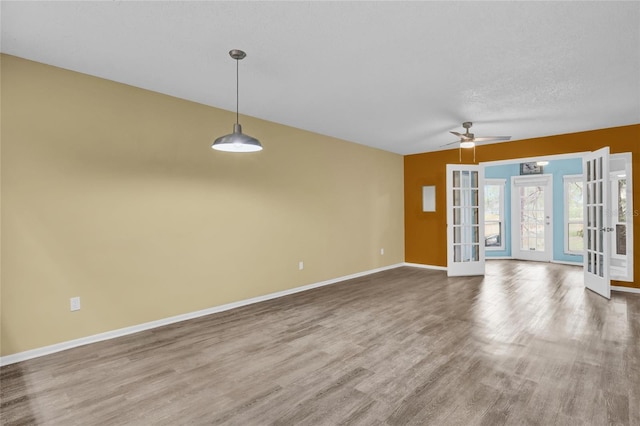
(566, 262)
(625, 289)
(498, 258)
(420, 265)
(58, 347)
(572, 178)
(534, 159)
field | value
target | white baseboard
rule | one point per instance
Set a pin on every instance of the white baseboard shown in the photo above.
(58, 347)
(563, 262)
(625, 289)
(419, 265)
(443, 268)
(566, 262)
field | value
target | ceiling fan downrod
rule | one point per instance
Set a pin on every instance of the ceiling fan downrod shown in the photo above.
(467, 125)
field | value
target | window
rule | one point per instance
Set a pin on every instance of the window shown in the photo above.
(619, 220)
(573, 215)
(494, 214)
(622, 215)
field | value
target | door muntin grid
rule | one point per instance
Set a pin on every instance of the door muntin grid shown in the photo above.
(466, 216)
(595, 217)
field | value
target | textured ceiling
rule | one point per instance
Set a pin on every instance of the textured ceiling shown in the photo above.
(393, 75)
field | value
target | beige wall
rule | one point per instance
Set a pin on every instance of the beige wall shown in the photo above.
(113, 194)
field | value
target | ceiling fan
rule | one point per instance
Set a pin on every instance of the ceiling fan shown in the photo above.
(468, 140)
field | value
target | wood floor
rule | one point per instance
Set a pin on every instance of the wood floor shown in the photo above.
(526, 344)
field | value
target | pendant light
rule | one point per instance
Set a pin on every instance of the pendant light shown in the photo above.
(237, 141)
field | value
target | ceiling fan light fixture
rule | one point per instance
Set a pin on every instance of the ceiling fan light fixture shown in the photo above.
(468, 139)
(237, 141)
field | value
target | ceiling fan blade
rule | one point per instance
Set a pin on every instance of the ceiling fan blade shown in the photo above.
(491, 138)
(452, 143)
(463, 136)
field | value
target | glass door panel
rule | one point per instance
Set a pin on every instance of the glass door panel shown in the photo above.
(597, 250)
(464, 234)
(532, 207)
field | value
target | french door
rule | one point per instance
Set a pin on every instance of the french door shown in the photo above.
(465, 235)
(597, 214)
(532, 226)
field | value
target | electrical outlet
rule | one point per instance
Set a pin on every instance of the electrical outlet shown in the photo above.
(75, 303)
(381, 251)
(300, 265)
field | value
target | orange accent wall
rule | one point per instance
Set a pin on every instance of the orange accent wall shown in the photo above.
(425, 233)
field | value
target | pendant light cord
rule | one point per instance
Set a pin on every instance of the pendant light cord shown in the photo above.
(237, 91)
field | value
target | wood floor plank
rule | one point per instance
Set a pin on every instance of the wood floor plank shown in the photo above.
(524, 345)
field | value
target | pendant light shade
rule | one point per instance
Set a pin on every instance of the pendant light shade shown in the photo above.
(237, 141)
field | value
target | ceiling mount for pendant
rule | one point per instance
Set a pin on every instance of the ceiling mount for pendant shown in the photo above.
(237, 54)
(237, 141)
